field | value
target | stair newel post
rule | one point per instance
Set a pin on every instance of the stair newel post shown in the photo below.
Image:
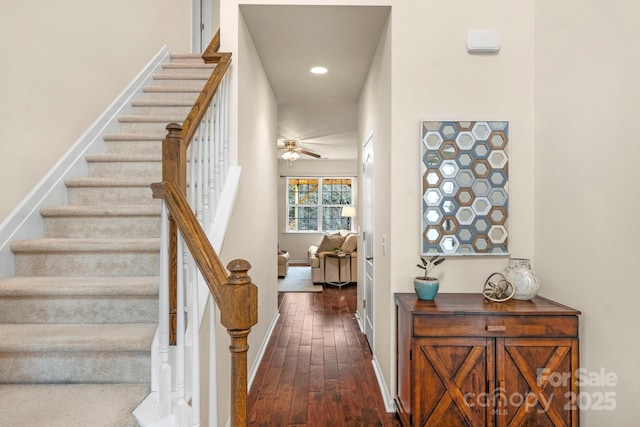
(238, 313)
(174, 169)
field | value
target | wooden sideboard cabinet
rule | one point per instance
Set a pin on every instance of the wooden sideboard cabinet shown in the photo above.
(465, 361)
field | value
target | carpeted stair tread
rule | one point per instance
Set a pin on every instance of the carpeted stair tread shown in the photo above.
(99, 211)
(182, 56)
(25, 286)
(187, 65)
(122, 157)
(172, 89)
(76, 337)
(70, 405)
(181, 76)
(82, 245)
(110, 182)
(133, 136)
(142, 118)
(159, 102)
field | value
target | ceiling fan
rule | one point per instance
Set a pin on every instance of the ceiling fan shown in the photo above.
(292, 151)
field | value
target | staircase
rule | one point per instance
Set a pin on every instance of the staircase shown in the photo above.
(78, 319)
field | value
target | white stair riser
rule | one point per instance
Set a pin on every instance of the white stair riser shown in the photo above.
(102, 227)
(126, 169)
(75, 367)
(119, 196)
(93, 264)
(79, 309)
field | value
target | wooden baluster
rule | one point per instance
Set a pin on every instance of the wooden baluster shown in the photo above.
(174, 169)
(238, 313)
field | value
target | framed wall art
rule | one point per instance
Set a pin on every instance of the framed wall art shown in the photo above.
(465, 187)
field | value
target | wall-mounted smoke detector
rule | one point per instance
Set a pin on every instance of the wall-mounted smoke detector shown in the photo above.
(483, 42)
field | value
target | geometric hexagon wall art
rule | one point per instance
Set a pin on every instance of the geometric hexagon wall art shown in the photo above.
(465, 187)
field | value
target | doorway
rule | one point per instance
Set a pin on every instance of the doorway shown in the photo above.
(202, 26)
(367, 233)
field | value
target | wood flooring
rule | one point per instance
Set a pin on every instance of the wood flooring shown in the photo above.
(317, 368)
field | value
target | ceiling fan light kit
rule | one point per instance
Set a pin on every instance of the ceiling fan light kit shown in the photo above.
(290, 156)
(292, 151)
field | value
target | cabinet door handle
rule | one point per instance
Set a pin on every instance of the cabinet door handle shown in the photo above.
(496, 328)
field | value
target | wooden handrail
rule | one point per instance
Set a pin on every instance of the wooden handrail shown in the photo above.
(210, 54)
(190, 124)
(235, 295)
(194, 236)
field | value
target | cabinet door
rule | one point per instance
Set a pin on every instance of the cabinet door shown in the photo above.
(455, 376)
(536, 386)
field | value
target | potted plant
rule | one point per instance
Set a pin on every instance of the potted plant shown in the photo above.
(426, 286)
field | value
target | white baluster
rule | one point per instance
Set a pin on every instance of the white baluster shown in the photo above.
(194, 318)
(193, 147)
(221, 171)
(165, 369)
(206, 203)
(182, 408)
(216, 151)
(213, 362)
(225, 124)
(210, 165)
(199, 176)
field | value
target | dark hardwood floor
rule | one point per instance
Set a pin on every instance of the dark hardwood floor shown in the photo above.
(317, 368)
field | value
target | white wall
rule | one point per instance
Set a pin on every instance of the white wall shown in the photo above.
(252, 233)
(375, 116)
(586, 175)
(433, 77)
(297, 244)
(62, 67)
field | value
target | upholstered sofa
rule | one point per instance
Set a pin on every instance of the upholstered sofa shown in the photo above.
(345, 242)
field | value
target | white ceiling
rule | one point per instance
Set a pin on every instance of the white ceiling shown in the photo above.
(320, 111)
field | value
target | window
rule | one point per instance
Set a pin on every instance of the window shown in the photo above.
(315, 204)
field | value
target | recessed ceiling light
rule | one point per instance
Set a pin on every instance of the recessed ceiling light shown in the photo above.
(319, 70)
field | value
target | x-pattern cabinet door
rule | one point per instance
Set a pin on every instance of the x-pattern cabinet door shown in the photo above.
(456, 376)
(464, 361)
(535, 382)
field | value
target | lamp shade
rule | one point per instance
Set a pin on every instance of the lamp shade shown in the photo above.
(349, 211)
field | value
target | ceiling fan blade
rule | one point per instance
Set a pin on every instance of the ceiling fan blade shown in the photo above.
(310, 153)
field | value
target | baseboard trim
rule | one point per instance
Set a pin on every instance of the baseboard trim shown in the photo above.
(359, 320)
(389, 403)
(261, 351)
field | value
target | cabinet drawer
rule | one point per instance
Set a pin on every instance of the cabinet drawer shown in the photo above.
(455, 325)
